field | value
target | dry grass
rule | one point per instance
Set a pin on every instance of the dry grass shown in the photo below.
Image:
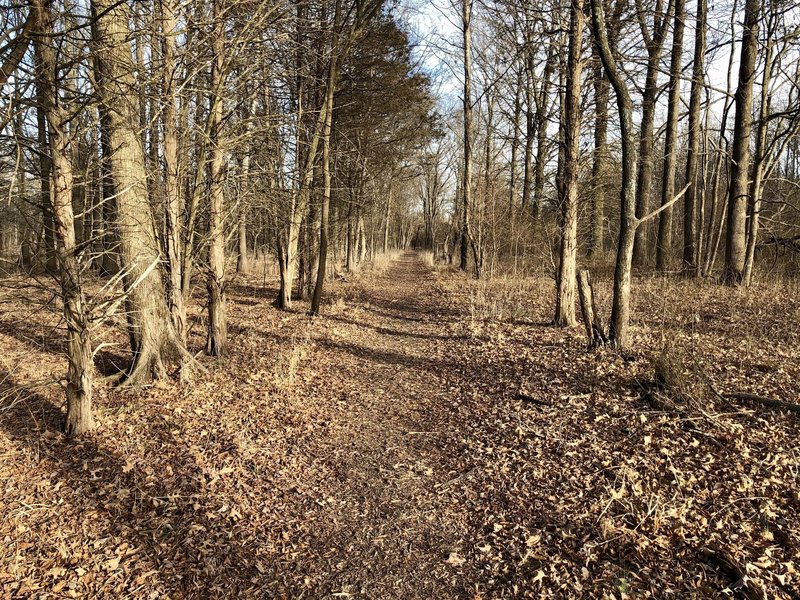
(381, 450)
(288, 362)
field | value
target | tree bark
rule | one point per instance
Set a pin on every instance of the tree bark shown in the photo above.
(466, 192)
(154, 342)
(735, 240)
(79, 349)
(654, 44)
(620, 311)
(571, 123)
(757, 183)
(217, 342)
(664, 241)
(45, 188)
(172, 201)
(690, 200)
(601, 96)
(324, 221)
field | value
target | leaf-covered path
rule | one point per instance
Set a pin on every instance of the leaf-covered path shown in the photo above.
(382, 451)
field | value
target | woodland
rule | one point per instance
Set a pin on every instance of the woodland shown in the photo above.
(400, 299)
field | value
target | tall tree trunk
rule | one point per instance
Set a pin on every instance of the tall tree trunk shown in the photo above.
(542, 147)
(735, 248)
(324, 221)
(620, 311)
(601, 96)
(571, 123)
(530, 137)
(759, 159)
(154, 342)
(388, 215)
(217, 342)
(79, 350)
(288, 265)
(690, 200)
(654, 44)
(664, 242)
(466, 192)
(45, 174)
(242, 259)
(172, 193)
(513, 180)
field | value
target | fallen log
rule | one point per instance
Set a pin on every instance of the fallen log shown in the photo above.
(764, 400)
(528, 398)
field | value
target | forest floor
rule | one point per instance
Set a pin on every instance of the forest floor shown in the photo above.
(429, 436)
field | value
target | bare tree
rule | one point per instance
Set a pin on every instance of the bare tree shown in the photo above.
(738, 189)
(466, 184)
(153, 339)
(693, 193)
(664, 241)
(79, 346)
(571, 123)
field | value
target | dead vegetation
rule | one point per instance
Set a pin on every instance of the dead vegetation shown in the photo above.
(429, 436)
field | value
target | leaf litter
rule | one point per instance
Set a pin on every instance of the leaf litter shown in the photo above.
(386, 450)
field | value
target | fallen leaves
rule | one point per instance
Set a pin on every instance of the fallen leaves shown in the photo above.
(391, 457)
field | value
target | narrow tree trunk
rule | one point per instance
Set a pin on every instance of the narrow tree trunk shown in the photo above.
(172, 200)
(45, 174)
(690, 201)
(601, 93)
(644, 184)
(242, 259)
(79, 351)
(530, 137)
(542, 112)
(388, 215)
(324, 224)
(735, 248)
(757, 184)
(664, 242)
(466, 200)
(571, 123)
(217, 343)
(620, 311)
(515, 133)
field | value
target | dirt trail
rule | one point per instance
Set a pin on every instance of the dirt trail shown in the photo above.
(391, 352)
(381, 451)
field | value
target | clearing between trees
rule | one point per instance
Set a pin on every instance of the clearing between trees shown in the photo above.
(429, 436)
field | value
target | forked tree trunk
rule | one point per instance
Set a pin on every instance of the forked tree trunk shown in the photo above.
(289, 260)
(79, 350)
(620, 311)
(735, 240)
(217, 342)
(154, 342)
(600, 155)
(571, 123)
